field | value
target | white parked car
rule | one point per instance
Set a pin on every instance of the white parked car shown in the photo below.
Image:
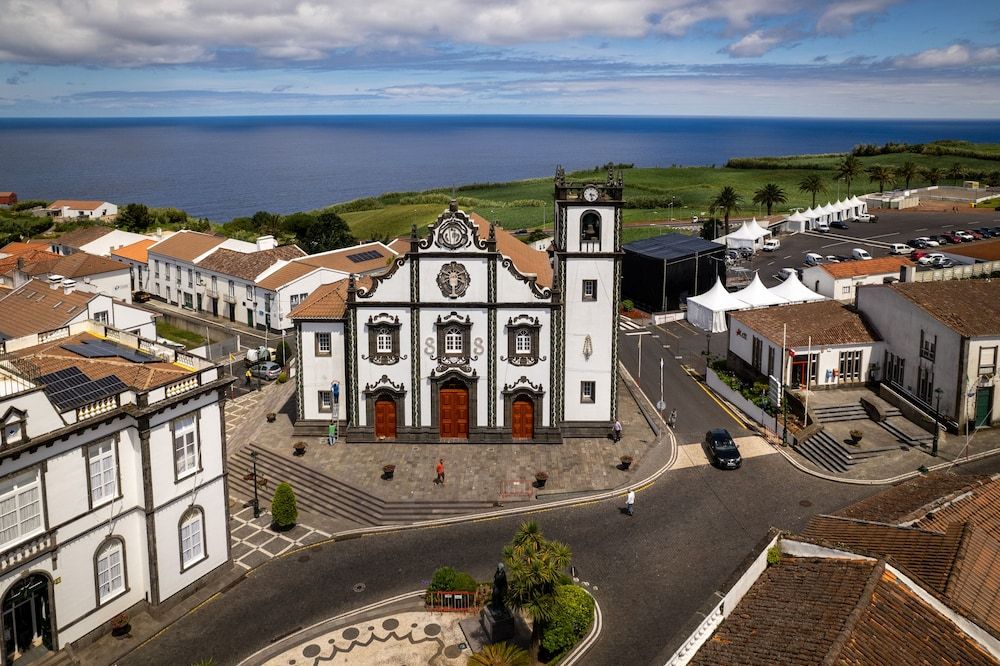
(822, 227)
(771, 244)
(930, 241)
(928, 259)
(858, 253)
(813, 259)
(832, 259)
(865, 217)
(900, 248)
(965, 235)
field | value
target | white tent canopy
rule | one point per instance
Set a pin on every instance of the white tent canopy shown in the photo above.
(796, 222)
(750, 235)
(708, 311)
(794, 291)
(756, 294)
(759, 231)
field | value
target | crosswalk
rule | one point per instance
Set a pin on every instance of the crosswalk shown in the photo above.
(626, 324)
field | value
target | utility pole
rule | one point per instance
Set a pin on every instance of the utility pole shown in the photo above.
(638, 374)
(784, 402)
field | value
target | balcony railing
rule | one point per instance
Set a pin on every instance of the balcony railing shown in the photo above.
(229, 298)
(102, 406)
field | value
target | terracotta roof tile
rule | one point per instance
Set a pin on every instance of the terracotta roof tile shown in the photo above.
(290, 272)
(34, 307)
(929, 555)
(32, 256)
(879, 266)
(974, 586)
(980, 505)
(248, 265)
(20, 247)
(904, 501)
(792, 615)
(826, 322)
(897, 627)
(76, 204)
(338, 260)
(527, 259)
(50, 356)
(969, 307)
(328, 301)
(187, 245)
(79, 237)
(985, 250)
(76, 265)
(138, 251)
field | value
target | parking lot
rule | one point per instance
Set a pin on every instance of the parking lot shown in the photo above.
(893, 226)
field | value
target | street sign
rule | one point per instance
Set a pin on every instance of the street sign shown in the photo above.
(661, 405)
(774, 391)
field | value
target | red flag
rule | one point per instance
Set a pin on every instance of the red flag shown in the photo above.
(791, 353)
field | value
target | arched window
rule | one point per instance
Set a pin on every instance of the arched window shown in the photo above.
(590, 227)
(453, 341)
(192, 537)
(383, 341)
(110, 568)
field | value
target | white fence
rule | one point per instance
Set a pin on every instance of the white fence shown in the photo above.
(736, 398)
(962, 272)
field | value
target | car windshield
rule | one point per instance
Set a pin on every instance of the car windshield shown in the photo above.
(723, 442)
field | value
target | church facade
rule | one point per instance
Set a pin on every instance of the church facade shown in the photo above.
(471, 334)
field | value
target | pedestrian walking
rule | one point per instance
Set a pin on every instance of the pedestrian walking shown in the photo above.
(672, 419)
(440, 472)
(616, 431)
(629, 501)
(247, 376)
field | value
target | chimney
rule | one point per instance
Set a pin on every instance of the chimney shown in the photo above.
(68, 285)
(266, 243)
(159, 233)
(54, 281)
(20, 263)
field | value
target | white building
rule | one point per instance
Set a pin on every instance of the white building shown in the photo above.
(93, 274)
(840, 281)
(101, 240)
(39, 305)
(76, 208)
(112, 482)
(941, 344)
(472, 335)
(820, 344)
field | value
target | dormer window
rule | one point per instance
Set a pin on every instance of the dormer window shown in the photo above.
(14, 428)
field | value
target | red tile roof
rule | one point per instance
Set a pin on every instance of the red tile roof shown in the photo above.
(136, 251)
(187, 245)
(824, 322)
(338, 260)
(969, 307)
(34, 307)
(526, 259)
(904, 501)
(327, 302)
(879, 266)
(248, 265)
(77, 238)
(75, 204)
(76, 265)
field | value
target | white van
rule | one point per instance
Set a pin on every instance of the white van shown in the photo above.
(858, 253)
(900, 248)
(786, 273)
(813, 259)
(771, 244)
(822, 227)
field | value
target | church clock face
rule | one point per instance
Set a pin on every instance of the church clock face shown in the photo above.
(590, 194)
(453, 279)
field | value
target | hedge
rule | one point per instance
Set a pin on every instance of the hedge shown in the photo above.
(573, 614)
(449, 580)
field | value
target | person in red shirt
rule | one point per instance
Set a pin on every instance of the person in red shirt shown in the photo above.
(440, 471)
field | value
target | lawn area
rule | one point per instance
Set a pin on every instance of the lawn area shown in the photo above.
(189, 339)
(630, 234)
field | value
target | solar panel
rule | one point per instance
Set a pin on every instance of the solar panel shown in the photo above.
(70, 388)
(105, 349)
(368, 255)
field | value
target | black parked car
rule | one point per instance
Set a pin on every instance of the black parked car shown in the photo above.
(722, 450)
(839, 224)
(917, 244)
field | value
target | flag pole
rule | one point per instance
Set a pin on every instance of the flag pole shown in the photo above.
(809, 364)
(784, 403)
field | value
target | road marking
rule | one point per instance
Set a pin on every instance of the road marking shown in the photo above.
(683, 324)
(922, 229)
(881, 236)
(669, 332)
(693, 455)
(740, 422)
(787, 256)
(947, 226)
(638, 333)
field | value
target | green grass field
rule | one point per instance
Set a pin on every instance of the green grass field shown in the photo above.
(179, 335)
(526, 204)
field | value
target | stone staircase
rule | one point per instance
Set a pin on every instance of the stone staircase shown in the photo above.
(827, 453)
(922, 440)
(834, 413)
(324, 495)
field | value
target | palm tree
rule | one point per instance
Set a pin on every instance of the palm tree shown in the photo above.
(535, 567)
(957, 172)
(933, 175)
(848, 169)
(500, 654)
(768, 195)
(881, 174)
(727, 200)
(907, 171)
(812, 183)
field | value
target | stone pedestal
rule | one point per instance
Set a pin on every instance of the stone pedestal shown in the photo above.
(497, 623)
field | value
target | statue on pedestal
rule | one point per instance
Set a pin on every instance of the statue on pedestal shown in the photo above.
(495, 619)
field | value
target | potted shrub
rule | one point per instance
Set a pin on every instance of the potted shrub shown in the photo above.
(388, 471)
(541, 478)
(299, 448)
(284, 512)
(120, 626)
(626, 461)
(856, 436)
(271, 416)
(282, 377)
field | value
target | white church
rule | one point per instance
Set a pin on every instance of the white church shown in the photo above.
(470, 334)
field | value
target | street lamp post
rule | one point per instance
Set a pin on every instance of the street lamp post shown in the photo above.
(934, 445)
(638, 373)
(708, 346)
(256, 499)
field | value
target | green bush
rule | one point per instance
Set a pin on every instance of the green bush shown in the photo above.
(628, 305)
(774, 555)
(282, 377)
(449, 580)
(284, 513)
(573, 613)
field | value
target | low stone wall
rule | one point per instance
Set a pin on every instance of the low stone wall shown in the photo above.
(909, 410)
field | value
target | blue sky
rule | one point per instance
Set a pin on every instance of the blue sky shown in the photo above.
(846, 58)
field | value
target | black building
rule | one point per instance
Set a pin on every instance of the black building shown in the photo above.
(659, 274)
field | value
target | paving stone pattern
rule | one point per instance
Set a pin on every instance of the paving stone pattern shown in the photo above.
(254, 542)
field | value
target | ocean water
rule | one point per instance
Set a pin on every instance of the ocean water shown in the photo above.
(221, 168)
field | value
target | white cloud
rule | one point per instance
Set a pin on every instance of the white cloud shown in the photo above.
(956, 55)
(840, 16)
(755, 44)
